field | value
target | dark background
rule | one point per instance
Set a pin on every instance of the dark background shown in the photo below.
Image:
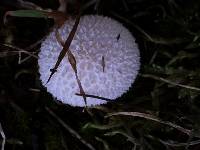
(167, 32)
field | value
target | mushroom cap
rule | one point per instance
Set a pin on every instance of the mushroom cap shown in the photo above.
(107, 60)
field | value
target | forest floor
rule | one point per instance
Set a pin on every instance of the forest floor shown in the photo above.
(161, 111)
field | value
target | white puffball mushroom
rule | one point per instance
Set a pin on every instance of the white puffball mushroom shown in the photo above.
(107, 60)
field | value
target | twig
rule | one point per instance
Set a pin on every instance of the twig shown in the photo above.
(34, 90)
(175, 144)
(153, 57)
(19, 58)
(4, 138)
(25, 59)
(73, 132)
(153, 118)
(20, 50)
(169, 82)
(180, 144)
(72, 62)
(65, 48)
(4, 53)
(94, 96)
(35, 44)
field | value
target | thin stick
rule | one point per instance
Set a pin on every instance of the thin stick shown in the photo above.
(94, 96)
(35, 44)
(169, 82)
(20, 50)
(153, 118)
(4, 138)
(175, 144)
(19, 58)
(25, 59)
(180, 144)
(73, 132)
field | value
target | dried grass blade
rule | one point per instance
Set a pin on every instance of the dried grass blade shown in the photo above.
(153, 118)
(72, 62)
(4, 138)
(81, 89)
(65, 48)
(97, 97)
